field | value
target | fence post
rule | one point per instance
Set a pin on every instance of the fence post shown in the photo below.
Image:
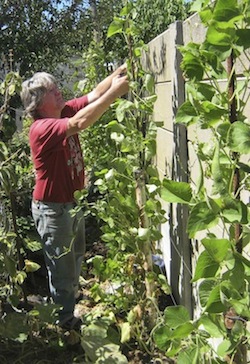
(180, 242)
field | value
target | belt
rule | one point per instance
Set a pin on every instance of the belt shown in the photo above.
(64, 203)
(36, 201)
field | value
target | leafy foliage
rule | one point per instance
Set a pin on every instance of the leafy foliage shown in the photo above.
(222, 268)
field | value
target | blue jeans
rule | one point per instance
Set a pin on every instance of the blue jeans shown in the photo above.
(63, 240)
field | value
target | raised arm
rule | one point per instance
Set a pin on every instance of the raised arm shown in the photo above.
(110, 88)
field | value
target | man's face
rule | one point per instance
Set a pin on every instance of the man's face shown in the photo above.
(52, 103)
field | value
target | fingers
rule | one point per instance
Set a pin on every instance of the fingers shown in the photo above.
(121, 84)
(123, 69)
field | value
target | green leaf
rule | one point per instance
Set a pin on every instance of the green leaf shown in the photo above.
(115, 27)
(176, 316)
(10, 265)
(212, 112)
(162, 279)
(243, 38)
(205, 288)
(123, 106)
(115, 126)
(202, 217)
(197, 5)
(236, 212)
(176, 192)
(31, 266)
(14, 327)
(12, 89)
(20, 277)
(143, 233)
(186, 114)
(211, 326)
(214, 304)
(183, 331)
(162, 337)
(220, 36)
(189, 356)
(110, 354)
(239, 137)
(192, 65)
(149, 83)
(225, 10)
(224, 348)
(206, 266)
(217, 248)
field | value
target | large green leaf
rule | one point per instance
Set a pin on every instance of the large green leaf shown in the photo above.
(115, 27)
(236, 212)
(212, 326)
(243, 36)
(205, 287)
(162, 337)
(239, 137)
(212, 112)
(214, 304)
(192, 65)
(183, 330)
(206, 267)
(122, 107)
(220, 36)
(176, 192)
(217, 248)
(224, 348)
(176, 316)
(189, 356)
(186, 114)
(202, 217)
(226, 10)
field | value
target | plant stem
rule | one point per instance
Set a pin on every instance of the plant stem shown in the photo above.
(233, 118)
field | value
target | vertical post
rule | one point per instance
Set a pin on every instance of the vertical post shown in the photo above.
(233, 118)
(180, 171)
(240, 356)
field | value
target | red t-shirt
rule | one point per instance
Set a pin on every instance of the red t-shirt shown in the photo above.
(58, 160)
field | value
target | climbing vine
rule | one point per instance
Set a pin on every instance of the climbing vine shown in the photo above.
(217, 79)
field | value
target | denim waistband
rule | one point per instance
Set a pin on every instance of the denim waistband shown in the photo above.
(39, 202)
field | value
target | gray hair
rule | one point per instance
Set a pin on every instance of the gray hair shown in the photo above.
(33, 91)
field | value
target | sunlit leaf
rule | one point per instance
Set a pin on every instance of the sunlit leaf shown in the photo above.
(125, 332)
(183, 330)
(202, 217)
(239, 137)
(31, 266)
(226, 10)
(220, 36)
(206, 266)
(217, 248)
(178, 192)
(205, 288)
(211, 326)
(115, 27)
(214, 304)
(186, 114)
(176, 316)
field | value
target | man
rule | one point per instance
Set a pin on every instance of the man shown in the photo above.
(58, 163)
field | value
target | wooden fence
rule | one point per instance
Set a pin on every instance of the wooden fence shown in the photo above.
(175, 158)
